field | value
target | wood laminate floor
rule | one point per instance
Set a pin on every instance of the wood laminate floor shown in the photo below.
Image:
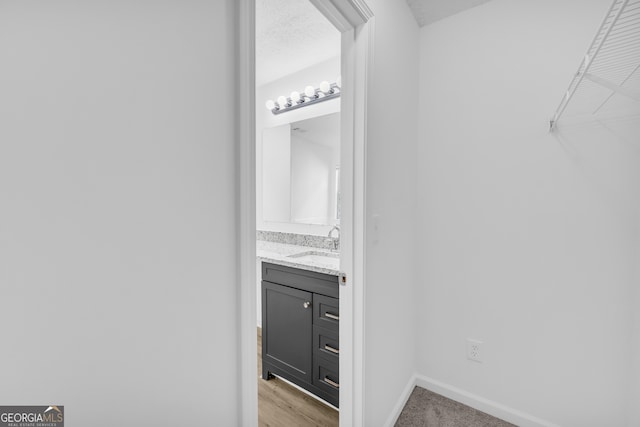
(281, 405)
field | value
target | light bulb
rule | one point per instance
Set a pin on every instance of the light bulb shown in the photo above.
(270, 105)
(282, 101)
(339, 81)
(325, 86)
(295, 97)
(310, 91)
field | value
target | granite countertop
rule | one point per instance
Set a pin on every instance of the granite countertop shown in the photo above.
(318, 260)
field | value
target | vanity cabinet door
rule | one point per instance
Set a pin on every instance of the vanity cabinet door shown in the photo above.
(287, 333)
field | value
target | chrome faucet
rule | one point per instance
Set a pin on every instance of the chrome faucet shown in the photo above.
(334, 240)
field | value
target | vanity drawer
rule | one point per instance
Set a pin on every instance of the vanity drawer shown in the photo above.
(326, 344)
(327, 378)
(326, 312)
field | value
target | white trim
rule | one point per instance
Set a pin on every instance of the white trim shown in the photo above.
(487, 406)
(344, 15)
(356, 62)
(246, 204)
(363, 9)
(348, 360)
(402, 401)
(333, 14)
(490, 407)
(364, 49)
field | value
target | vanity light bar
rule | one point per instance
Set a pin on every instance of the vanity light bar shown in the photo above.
(310, 96)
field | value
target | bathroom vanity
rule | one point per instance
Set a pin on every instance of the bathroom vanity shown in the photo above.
(298, 213)
(300, 322)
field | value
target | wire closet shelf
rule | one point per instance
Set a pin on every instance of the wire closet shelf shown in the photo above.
(608, 79)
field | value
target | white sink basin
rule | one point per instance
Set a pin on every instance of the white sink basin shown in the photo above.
(324, 259)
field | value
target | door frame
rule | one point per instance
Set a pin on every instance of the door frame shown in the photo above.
(354, 19)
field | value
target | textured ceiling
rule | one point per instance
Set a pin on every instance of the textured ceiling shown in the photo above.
(428, 11)
(291, 35)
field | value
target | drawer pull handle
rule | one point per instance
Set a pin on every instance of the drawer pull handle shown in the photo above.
(331, 316)
(331, 382)
(306, 304)
(331, 349)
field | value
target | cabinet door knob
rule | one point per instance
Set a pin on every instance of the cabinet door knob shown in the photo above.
(306, 304)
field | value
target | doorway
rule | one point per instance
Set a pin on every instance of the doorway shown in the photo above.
(297, 194)
(353, 19)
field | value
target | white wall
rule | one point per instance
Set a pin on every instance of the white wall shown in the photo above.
(117, 219)
(526, 238)
(634, 413)
(327, 70)
(391, 175)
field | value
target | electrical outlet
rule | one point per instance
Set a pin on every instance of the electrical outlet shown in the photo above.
(474, 350)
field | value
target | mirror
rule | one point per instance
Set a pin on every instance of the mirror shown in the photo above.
(301, 171)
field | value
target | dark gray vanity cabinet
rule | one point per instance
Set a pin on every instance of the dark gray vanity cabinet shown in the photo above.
(300, 322)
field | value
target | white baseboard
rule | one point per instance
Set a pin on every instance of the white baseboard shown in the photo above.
(477, 402)
(397, 409)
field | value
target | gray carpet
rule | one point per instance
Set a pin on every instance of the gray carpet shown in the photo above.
(427, 409)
